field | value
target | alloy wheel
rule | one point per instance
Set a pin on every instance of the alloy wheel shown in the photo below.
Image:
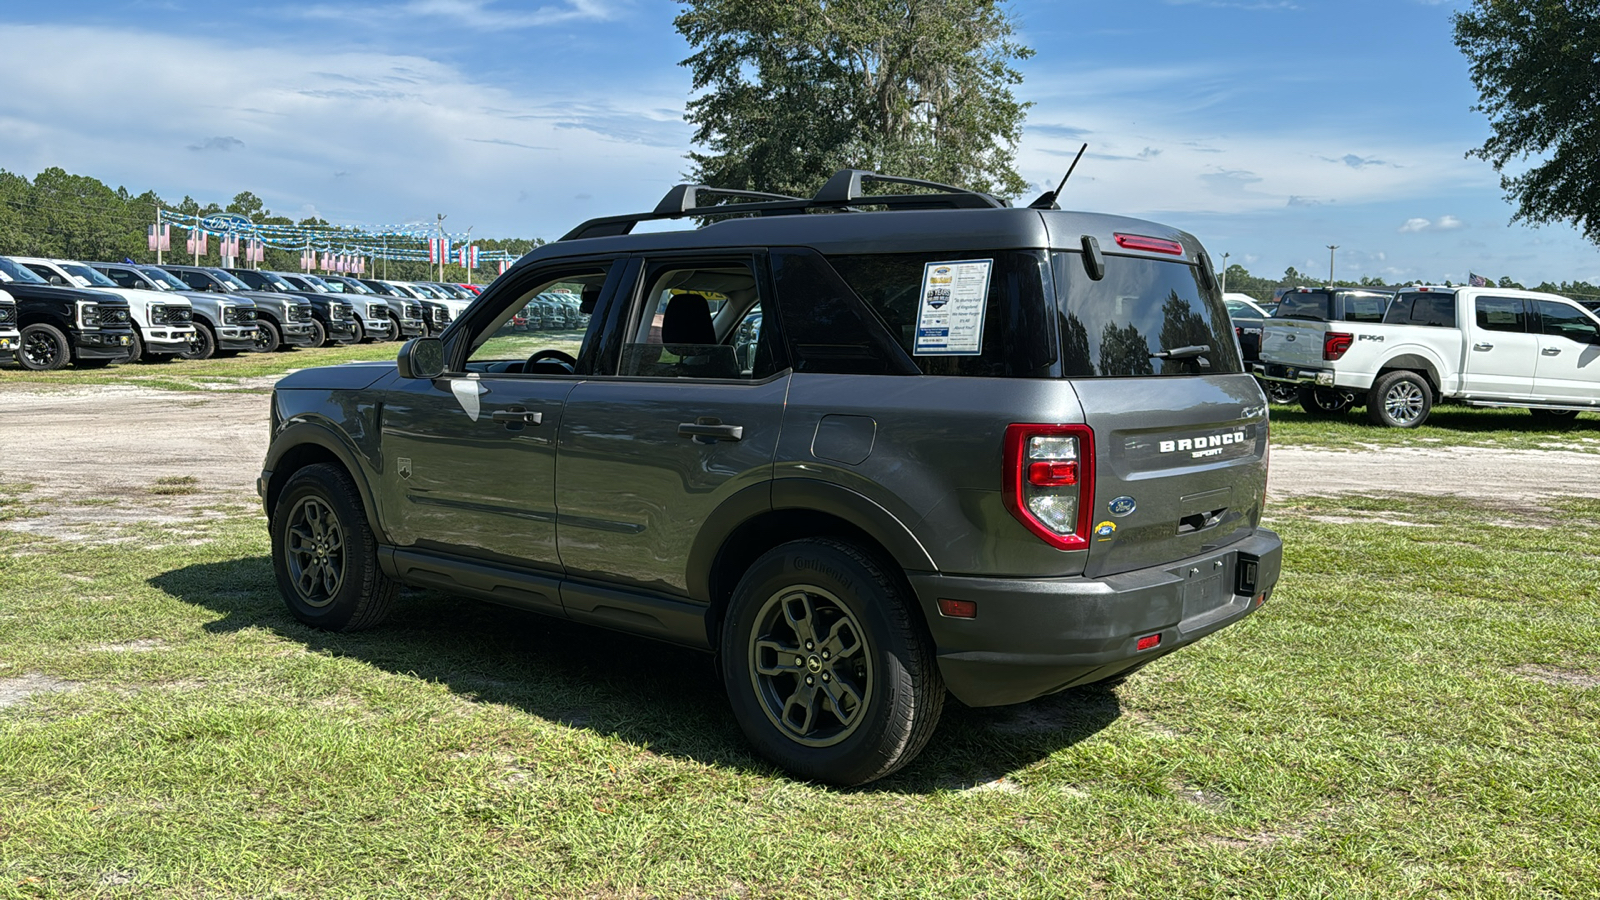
(316, 552)
(1404, 402)
(809, 666)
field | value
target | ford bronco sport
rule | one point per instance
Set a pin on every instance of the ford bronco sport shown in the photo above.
(865, 448)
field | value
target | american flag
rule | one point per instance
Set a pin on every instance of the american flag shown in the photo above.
(196, 242)
(160, 237)
(1476, 280)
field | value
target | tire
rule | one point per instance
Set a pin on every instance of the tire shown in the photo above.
(43, 348)
(136, 349)
(325, 555)
(204, 345)
(1400, 399)
(1282, 392)
(1554, 419)
(319, 334)
(360, 330)
(826, 611)
(1324, 402)
(268, 337)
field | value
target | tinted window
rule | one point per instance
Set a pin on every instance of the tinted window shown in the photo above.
(1502, 314)
(1114, 326)
(196, 280)
(1308, 305)
(1016, 338)
(1561, 320)
(1432, 308)
(827, 328)
(1365, 307)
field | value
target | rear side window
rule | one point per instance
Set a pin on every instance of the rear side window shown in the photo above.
(1016, 338)
(1118, 326)
(1365, 307)
(828, 329)
(1308, 305)
(1436, 309)
(1502, 314)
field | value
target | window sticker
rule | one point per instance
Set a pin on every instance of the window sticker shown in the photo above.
(955, 297)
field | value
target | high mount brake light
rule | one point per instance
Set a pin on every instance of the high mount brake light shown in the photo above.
(1153, 244)
(1335, 343)
(1049, 481)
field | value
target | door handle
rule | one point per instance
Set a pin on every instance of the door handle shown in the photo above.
(516, 415)
(1551, 351)
(1483, 346)
(712, 430)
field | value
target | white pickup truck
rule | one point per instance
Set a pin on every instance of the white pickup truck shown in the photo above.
(1480, 346)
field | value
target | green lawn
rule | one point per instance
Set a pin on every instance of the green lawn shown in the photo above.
(1449, 425)
(1414, 714)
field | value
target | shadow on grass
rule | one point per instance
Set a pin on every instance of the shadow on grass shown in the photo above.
(645, 692)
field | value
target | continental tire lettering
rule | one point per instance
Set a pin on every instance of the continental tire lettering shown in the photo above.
(822, 568)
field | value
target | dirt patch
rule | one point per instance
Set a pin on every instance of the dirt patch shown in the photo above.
(115, 454)
(1561, 677)
(16, 690)
(1511, 478)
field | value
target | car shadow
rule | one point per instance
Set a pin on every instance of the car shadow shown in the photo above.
(648, 693)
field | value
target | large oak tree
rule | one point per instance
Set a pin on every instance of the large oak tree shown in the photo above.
(792, 90)
(1536, 64)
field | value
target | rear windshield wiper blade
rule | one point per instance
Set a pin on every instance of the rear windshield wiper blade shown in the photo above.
(1193, 351)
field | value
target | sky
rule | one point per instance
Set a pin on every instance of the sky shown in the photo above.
(1268, 128)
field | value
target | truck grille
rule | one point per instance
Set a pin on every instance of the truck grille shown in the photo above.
(239, 315)
(341, 313)
(171, 315)
(300, 313)
(441, 316)
(413, 310)
(8, 314)
(106, 315)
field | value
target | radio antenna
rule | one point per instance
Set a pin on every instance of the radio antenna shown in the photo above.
(1047, 200)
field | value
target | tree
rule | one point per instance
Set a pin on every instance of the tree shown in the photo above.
(1534, 65)
(796, 89)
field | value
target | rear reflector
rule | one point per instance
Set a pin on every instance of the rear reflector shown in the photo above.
(1153, 244)
(1147, 642)
(958, 609)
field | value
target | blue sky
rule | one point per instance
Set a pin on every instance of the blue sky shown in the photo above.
(1269, 128)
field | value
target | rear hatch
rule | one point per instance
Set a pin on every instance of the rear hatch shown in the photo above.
(1180, 430)
(1293, 342)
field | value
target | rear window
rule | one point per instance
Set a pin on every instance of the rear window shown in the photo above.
(1309, 305)
(1118, 326)
(1007, 335)
(1365, 307)
(1436, 309)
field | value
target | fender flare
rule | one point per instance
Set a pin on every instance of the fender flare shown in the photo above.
(302, 433)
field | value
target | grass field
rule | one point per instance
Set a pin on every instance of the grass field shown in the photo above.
(1414, 714)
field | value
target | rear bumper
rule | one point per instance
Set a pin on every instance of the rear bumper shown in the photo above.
(1036, 637)
(1296, 374)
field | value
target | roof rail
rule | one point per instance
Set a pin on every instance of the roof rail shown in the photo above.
(842, 192)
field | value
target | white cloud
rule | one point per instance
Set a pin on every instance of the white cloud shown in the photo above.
(1449, 223)
(1415, 225)
(363, 137)
(480, 15)
(1445, 223)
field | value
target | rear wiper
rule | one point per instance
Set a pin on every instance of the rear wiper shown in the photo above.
(1193, 351)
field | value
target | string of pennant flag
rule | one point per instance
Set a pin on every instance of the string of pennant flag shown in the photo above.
(344, 250)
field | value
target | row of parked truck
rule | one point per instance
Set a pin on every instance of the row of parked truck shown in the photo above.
(54, 312)
(1400, 352)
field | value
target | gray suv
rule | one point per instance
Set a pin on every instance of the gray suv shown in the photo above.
(864, 457)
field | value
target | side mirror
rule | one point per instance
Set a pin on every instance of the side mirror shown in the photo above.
(57, 280)
(421, 357)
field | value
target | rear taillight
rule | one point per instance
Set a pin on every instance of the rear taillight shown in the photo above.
(1335, 343)
(1049, 481)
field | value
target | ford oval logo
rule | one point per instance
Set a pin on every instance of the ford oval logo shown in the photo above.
(1122, 506)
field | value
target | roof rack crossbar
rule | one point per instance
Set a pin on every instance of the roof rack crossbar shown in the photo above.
(842, 192)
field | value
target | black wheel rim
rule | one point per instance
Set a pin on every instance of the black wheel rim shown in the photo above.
(315, 551)
(809, 666)
(40, 349)
(264, 341)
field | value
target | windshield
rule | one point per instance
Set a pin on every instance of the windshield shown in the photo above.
(82, 271)
(316, 281)
(356, 287)
(10, 271)
(164, 280)
(229, 280)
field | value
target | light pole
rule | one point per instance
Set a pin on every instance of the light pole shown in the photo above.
(1331, 248)
(1224, 273)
